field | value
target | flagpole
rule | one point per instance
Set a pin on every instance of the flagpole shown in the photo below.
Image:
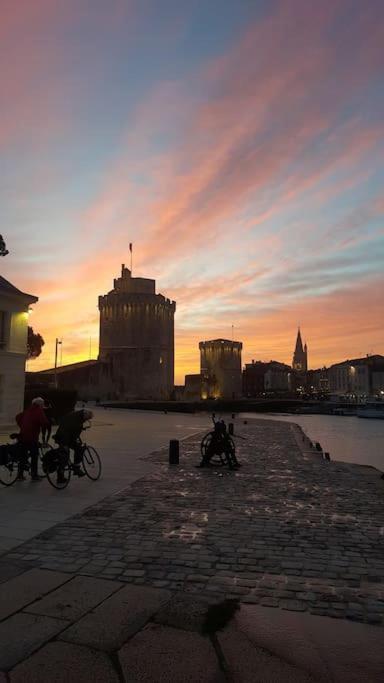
(131, 250)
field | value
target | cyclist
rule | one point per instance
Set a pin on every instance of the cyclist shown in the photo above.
(30, 422)
(46, 431)
(68, 436)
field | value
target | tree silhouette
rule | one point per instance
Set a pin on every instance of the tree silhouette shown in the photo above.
(3, 248)
(35, 343)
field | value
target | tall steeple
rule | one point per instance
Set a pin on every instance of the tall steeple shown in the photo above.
(299, 361)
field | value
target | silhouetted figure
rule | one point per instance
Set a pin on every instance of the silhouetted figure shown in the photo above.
(47, 430)
(30, 422)
(68, 436)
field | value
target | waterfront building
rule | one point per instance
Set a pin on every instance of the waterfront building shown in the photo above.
(317, 381)
(220, 368)
(14, 307)
(357, 377)
(136, 349)
(300, 355)
(271, 377)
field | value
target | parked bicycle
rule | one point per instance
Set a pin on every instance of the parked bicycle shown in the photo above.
(13, 462)
(59, 467)
(218, 448)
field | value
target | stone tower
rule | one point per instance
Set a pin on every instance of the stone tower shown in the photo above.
(137, 339)
(220, 368)
(300, 356)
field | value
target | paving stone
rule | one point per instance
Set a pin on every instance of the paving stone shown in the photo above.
(75, 598)
(119, 617)
(28, 587)
(247, 663)
(22, 633)
(184, 611)
(62, 663)
(161, 654)
(9, 570)
(295, 605)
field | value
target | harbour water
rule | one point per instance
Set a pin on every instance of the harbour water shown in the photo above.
(350, 439)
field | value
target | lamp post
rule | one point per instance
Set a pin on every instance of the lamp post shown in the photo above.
(56, 346)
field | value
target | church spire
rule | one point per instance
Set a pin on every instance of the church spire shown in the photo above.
(299, 343)
(299, 361)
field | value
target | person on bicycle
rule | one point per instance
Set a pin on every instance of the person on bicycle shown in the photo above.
(47, 430)
(68, 436)
(30, 422)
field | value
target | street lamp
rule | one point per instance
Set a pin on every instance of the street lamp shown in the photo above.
(56, 346)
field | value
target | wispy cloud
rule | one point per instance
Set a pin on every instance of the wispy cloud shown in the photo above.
(250, 184)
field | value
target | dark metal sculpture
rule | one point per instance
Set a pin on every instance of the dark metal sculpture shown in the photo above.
(218, 448)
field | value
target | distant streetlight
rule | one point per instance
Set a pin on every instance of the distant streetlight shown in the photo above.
(56, 346)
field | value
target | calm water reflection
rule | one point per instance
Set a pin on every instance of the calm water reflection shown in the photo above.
(350, 439)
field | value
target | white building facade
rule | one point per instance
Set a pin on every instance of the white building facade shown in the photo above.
(14, 306)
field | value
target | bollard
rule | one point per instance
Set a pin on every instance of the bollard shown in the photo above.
(233, 416)
(318, 447)
(174, 452)
(245, 422)
(230, 428)
(326, 456)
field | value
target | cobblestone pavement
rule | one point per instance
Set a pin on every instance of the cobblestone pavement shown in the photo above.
(287, 530)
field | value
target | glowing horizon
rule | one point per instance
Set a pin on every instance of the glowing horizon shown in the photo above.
(239, 146)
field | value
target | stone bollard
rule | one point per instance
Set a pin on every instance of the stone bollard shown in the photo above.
(174, 452)
(326, 456)
(230, 428)
(318, 446)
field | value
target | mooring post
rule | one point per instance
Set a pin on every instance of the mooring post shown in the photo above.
(174, 452)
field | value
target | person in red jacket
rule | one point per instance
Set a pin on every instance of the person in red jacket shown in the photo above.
(30, 422)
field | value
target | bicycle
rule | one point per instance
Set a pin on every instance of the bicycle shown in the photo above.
(220, 444)
(59, 467)
(12, 460)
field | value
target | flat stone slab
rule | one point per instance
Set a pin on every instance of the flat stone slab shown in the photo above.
(9, 570)
(22, 633)
(118, 618)
(184, 611)
(160, 654)
(75, 598)
(328, 649)
(247, 663)
(65, 663)
(24, 589)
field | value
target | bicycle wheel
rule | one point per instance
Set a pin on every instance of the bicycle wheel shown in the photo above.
(66, 471)
(205, 443)
(91, 463)
(9, 469)
(43, 448)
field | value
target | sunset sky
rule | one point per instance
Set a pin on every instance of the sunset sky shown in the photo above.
(239, 144)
